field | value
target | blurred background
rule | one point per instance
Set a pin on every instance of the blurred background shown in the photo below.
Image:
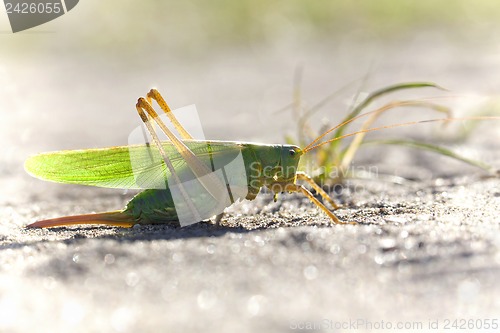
(73, 82)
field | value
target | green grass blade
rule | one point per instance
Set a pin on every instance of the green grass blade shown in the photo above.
(347, 155)
(436, 149)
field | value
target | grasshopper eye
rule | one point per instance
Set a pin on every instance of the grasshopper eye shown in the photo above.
(292, 152)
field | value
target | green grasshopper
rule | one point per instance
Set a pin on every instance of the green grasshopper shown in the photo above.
(185, 180)
(184, 160)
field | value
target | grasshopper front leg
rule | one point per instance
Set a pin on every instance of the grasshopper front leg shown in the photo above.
(291, 187)
(305, 177)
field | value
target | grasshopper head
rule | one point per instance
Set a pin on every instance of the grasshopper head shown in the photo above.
(290, 157)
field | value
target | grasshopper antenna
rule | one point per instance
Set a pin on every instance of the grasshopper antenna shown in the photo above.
(382, 109)
(315, 145)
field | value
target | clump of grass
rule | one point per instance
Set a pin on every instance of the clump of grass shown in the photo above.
(332, 160)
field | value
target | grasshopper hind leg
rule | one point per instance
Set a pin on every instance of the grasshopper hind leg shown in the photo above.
(154, 94)
(210, 183)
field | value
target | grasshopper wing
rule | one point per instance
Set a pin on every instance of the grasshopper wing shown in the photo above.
(129, 167)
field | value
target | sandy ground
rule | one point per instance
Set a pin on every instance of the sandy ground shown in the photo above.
(425, 249)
